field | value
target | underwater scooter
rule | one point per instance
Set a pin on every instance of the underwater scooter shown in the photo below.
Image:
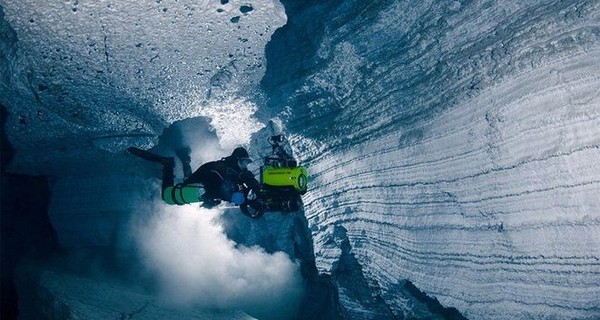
(282, 182)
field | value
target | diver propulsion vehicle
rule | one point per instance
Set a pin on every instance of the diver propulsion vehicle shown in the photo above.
(282, 182)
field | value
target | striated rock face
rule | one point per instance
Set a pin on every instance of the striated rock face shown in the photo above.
(456, 144)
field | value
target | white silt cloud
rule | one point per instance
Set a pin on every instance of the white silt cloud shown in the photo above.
(197, 265)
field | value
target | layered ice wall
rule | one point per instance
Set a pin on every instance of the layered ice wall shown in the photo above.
(456, 144)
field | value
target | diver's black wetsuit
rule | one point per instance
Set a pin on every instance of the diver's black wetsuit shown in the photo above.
(220, 177)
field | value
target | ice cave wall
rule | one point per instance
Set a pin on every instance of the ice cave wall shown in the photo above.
(452, 144)
(456, 143)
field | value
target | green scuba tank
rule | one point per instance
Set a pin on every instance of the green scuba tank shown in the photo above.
(183, 194)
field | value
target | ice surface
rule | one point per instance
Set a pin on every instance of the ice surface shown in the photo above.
(458, 145)
(77, 297)
(111, 74)
(455, 142)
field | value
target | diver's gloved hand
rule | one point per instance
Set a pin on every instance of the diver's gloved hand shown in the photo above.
(209, 201)
(209, 204)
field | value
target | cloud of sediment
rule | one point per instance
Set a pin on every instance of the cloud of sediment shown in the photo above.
(197, 265)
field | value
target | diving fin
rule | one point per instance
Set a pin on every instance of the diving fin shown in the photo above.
(184, 154)
(166, 161)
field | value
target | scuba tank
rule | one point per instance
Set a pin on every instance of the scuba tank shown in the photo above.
(181, 194)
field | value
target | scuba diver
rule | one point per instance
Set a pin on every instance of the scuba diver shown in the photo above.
(280, 188)
(220, 180)
(221, 177)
